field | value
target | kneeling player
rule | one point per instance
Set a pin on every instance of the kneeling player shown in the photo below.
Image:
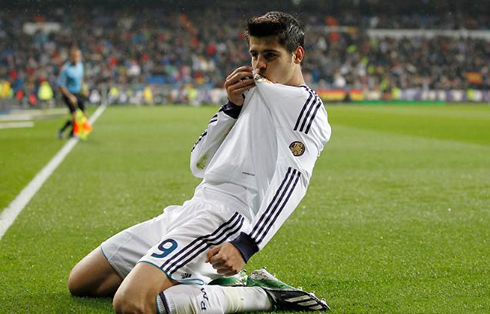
(256, 159)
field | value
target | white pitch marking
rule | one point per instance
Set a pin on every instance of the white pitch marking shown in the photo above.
(16, 125)
(16, 117)
(8, 215)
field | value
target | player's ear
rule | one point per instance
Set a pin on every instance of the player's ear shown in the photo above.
(298, 55)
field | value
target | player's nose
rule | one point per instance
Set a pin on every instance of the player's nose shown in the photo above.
(260, 65)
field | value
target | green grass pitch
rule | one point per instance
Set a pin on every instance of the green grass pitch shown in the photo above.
(396, 218)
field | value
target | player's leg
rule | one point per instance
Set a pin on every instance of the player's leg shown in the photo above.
(101, 272)
(146, 280)
(179, 257)
(69, 122)
(262, 292)
(81, 104)
(187, 299)
(74, 112)
(64, 127)
(148, 290)
(73, 117)
(138, 291)
(93, 276)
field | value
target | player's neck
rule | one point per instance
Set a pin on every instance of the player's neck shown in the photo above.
(297, 79)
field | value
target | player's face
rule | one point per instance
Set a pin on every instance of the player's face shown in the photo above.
(271, 60)
(75, 56)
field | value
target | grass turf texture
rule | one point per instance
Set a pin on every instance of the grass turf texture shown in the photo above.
(23, 152)
(395, 220)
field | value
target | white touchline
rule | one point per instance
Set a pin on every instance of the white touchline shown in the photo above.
(8, 215)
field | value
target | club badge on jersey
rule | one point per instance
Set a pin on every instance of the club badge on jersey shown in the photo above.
(297, 148)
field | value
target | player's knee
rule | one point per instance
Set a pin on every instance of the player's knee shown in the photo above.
(82, 284)
(128, 305)
(76, 284)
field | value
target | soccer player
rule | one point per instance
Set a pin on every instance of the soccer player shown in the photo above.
(256, 158)
(69, 83)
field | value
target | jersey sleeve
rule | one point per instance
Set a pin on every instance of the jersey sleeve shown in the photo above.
(62, 77)
(210, 140)
(300, 140)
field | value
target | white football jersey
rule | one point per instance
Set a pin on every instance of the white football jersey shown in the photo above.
(268, 149)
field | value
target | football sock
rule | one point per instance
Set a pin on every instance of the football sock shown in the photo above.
(67, 124)
(187, 299)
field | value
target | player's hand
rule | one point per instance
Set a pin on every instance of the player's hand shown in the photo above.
(226, 259)
(73, 100)
(238, 82)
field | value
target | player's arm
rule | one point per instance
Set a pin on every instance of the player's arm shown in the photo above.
(302, 130)
(287, 188)
(221, 123)
(70, 96)
(210, 140)
(299, 145)
(61, 82)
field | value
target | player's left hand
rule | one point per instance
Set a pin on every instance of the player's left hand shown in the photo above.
(226, 259)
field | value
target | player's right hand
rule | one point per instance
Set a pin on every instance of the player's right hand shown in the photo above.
(238, 82)
(226, 259)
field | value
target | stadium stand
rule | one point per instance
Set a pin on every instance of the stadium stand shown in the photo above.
(156, 54)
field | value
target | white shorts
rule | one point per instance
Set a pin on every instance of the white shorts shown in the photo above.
(177, 240)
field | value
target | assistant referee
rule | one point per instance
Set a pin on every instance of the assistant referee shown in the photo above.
(69, 83)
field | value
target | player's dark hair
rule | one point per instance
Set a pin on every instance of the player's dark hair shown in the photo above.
(286, 28)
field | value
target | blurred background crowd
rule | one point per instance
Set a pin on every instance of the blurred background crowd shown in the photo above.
(181, 51)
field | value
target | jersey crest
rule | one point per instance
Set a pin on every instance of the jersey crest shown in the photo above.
(297, 148)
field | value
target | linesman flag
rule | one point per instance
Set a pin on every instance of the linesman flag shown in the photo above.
(82, 126)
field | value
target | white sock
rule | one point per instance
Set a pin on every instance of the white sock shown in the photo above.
(187, 299)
